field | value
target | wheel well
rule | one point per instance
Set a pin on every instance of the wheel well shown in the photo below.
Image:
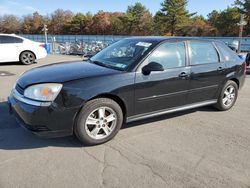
(27, 51)
(236, 81)
(116, 99)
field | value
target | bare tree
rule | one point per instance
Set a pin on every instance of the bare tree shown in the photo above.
(10, 24)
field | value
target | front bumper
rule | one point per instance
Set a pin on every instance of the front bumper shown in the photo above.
(45, 121)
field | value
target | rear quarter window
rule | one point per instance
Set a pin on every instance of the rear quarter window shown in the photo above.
(226, 53)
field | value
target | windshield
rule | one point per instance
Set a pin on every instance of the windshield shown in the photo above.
(124, 53)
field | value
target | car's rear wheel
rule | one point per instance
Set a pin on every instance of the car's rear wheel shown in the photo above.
(27, 58)
(99, 121)
(228, 96)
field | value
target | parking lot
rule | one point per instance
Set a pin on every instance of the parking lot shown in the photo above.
(195, 148)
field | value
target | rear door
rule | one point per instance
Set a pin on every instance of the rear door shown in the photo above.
(2, 50)
(10, 47)
(207, 71)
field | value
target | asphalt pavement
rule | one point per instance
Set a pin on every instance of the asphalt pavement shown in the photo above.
(195, 148)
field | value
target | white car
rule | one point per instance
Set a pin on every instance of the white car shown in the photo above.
(14, 48)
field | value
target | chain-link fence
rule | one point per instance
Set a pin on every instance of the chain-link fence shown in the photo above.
(90, 44)
(86, 45)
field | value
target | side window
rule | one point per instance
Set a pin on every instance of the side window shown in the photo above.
(170, 55)
(9, 40)
(1, 40)
(226, 53)
(203, 53)
(6, 40)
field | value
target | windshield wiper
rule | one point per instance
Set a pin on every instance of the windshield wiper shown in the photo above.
(102, 64)
(99, 63)
(105, 65)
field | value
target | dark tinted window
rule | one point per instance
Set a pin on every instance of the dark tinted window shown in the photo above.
(9, 39)
(170, 55)
(203, 53)
(226, 53)
(248, 58)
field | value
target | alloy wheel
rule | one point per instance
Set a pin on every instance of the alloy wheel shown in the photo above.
(27, 58)
(101, 123)
(229, 96)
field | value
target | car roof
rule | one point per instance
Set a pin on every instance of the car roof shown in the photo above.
(4, 34)
(13, 35)
(162, 39)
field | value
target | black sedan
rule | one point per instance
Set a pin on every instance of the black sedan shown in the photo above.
(133, 79)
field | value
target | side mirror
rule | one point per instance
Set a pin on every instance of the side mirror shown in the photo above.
(153, 66)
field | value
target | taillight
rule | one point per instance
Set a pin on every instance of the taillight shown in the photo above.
(42, 45)
(245, 68)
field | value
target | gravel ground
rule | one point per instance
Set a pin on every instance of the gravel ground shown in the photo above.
(196, 148)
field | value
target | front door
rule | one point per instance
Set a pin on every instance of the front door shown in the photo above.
(167, 89)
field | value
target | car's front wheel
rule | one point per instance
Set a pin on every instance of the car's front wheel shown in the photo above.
(228, 96)
(99, 121)
(27, 58)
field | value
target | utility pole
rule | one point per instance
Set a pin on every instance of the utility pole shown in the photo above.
(241, 24)
(45, 29)
(47, 46)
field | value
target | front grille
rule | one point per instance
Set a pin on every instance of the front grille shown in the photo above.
(19, 89)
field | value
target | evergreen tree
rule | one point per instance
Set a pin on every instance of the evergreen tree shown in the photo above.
(226, 21)
(174, 14)
(244, 7)
(139, 20)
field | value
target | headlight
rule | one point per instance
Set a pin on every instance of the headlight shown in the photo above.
(43, 92)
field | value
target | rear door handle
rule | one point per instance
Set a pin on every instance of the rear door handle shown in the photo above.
(220, 69)
(183, 75)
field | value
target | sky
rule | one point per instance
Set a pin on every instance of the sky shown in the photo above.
(23, 7)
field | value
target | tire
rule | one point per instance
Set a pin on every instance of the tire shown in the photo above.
(99, 128)
(27, 58)
(226, 102)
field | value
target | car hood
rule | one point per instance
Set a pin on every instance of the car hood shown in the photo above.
(63, 72)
